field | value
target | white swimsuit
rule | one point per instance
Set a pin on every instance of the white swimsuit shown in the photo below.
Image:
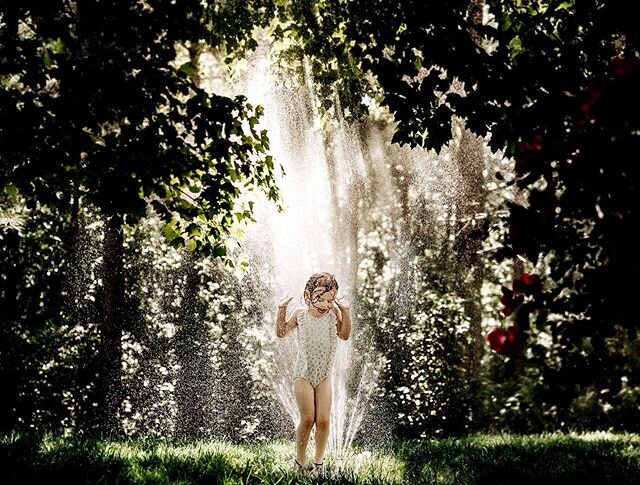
(317, 341)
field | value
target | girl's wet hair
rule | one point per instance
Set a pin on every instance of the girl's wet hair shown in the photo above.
(317, 280)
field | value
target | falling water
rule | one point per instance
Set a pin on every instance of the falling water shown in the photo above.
(308, 236)
(320, 226)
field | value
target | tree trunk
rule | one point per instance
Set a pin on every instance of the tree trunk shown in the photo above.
(194, 380)
(468, 241)
(109, 391)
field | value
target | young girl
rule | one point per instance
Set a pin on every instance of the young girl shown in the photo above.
(319, 325)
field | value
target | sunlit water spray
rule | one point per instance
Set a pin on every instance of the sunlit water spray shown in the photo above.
(326, 174)
(309, 236)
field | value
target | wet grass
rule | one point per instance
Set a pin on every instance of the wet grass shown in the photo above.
(589, 458)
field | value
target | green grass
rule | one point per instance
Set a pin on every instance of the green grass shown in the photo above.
(590, 458)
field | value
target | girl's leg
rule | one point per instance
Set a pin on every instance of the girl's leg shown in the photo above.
(303, 391)
(323, 412)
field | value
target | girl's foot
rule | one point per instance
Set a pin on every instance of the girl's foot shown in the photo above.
(318, 470)
(298, 467)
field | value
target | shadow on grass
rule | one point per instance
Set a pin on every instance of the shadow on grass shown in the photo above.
(32, 459)
(522, 460)
(476, 459)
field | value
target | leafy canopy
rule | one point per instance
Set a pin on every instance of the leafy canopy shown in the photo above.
(95, 108)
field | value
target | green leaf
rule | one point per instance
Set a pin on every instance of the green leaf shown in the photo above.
(11, 191)
(46, 58)
(177, 242)
(515, 47)
(170, 230)
(564, 5)
(59, 47)
(219, 250)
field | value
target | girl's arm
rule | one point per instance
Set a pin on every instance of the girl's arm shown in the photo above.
(344, 320)
(283, 326)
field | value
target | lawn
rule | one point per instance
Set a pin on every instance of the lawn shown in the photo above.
(585, 458)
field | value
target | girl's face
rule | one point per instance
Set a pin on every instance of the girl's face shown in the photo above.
(321, 300)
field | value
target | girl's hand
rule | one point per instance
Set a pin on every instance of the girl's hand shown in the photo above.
(343, 305)
(285, 301)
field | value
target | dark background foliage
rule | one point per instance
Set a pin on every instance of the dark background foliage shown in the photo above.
(99, 123)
